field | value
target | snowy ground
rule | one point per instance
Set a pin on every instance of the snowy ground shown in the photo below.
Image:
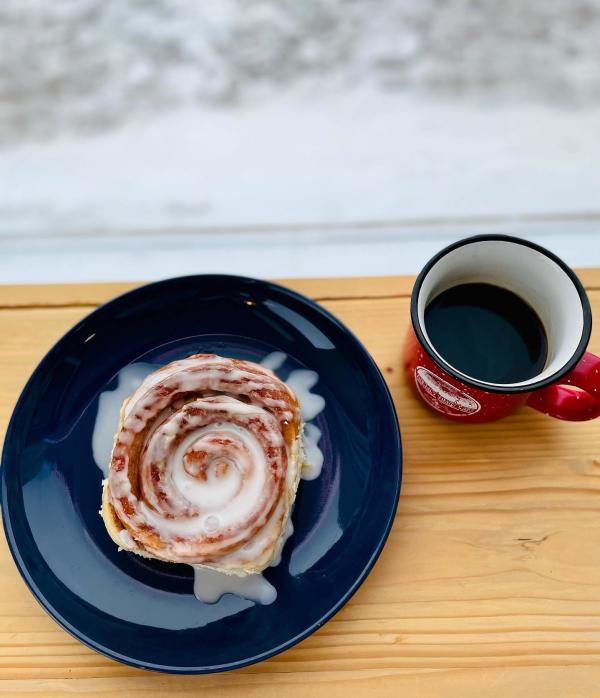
(275, 138)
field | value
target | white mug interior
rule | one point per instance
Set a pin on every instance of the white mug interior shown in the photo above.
(524, 270)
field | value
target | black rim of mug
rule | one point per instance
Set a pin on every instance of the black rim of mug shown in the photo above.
(491, 387)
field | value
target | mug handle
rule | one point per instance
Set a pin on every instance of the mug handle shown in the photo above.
(563, 402)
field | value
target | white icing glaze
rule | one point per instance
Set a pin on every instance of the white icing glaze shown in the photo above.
(224, 494)
(274, 360)
(221, 493)
(311, 405)
(126, 539)
(300, 382)
(210, 585)
(209, 443)
(215, 378)
(109, 408)
(313, 456)
(259, 541)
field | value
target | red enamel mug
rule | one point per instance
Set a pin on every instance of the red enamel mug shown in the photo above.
(551, 288)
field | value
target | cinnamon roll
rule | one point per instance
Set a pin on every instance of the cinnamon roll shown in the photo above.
(205, 465)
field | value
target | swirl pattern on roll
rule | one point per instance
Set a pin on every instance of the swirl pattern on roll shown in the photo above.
(202, 463)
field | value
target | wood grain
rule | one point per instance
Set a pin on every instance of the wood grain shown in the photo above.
(61, 295)
(489, 584)
(90, 295)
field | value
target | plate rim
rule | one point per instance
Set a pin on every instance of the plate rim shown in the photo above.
(396, 442)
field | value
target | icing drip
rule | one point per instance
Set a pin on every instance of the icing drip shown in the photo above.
(210, 585)
(274, 360)
(109, 407)
(301, 381)
(313, 462)
(311, 404)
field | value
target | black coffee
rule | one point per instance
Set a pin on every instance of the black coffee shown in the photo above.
(487, 332)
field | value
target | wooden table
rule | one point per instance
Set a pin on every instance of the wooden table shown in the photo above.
(489, 584)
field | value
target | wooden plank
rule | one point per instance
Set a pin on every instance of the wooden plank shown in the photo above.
(61, 295)
(381, 324)
(489, 584)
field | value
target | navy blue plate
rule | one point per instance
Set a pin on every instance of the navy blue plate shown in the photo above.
(143, 612)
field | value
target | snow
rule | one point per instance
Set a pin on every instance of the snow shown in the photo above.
(281, 138)
(357, 158)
